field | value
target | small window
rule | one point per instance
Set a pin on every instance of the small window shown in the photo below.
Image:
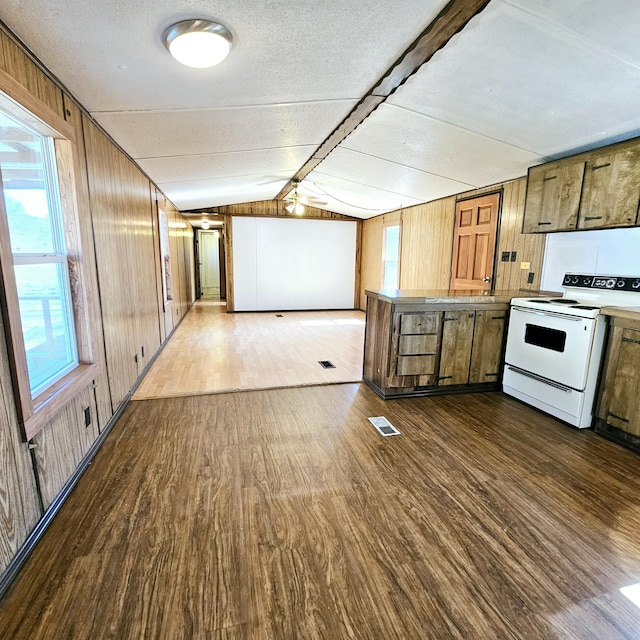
(390, 257)
(34, 217)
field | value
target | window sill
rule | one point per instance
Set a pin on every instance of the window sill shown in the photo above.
(56, 397)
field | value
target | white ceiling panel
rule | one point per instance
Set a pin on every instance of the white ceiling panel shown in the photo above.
(110, 54)
(524, 81)
(271, 164)
(397, 179)
(352, 198)
(417, 141)
(538, 86)
(213, 192)
(179, 133)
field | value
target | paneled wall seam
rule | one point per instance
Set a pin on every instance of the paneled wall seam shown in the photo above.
(95, 257)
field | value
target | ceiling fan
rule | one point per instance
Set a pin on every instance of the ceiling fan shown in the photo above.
(296, 202)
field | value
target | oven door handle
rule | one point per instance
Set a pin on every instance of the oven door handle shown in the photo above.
(551, 383)
(549, 314)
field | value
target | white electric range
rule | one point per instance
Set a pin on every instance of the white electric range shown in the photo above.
(554, 344)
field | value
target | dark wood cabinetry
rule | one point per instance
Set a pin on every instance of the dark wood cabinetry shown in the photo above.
(592, 190)
(618, 411)
(433, 347)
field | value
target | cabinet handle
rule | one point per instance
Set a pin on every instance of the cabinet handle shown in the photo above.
(600, 166)
(541, 223)
(490, 374)
(549, 178)
(592, 218)
(631, 340)
(613, 415)
(450, 319)
(498, 317)
(444, 377)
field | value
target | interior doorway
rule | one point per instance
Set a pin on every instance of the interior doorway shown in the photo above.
(474, 242)
(210, 265)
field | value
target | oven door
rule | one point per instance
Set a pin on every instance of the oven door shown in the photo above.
(554, 346)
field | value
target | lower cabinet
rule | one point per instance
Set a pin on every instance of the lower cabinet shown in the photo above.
(618, 410)
(443, 349)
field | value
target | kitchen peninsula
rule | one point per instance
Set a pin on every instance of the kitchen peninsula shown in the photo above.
(432, 342)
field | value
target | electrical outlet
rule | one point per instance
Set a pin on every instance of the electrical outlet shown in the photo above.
(525, 266)
(87, 416)
(530, 277)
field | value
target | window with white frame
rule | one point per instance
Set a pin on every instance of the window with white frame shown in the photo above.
(34, 217)
(391, 256)
(45, 300)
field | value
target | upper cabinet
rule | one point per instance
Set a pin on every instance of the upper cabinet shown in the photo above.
(592, 190)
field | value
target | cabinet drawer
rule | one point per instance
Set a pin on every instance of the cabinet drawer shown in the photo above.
(416, 365)
(417, 323)
(418, 345)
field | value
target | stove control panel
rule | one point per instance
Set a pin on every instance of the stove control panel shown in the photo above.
(615, 283)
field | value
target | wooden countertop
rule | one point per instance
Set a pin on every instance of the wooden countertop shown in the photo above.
(435, 296)
(630, 313)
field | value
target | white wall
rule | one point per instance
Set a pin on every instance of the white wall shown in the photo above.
(286, 264)
(607, 252)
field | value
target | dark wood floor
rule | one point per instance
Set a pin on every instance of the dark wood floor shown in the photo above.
(283, 514)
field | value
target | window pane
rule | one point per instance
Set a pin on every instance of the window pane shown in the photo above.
(46, 323)
(390, 257)
(24, 179)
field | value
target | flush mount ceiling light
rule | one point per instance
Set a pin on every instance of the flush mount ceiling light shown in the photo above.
(198, 43)
(204, 224)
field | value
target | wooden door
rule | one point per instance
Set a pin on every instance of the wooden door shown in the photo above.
(621, 396)
(488, 338)
(455, 355)
(474, 242)
(611, 190)
(553, 196)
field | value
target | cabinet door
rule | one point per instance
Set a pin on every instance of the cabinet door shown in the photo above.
(415, 349)
(611, 190)
(553, 196)
(457, 339)
(486, 355)
(621, 406)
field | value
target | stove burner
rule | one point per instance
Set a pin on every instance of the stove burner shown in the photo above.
(584, 306)
(563, 301)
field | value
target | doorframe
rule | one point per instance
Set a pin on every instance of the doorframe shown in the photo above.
(489, 191)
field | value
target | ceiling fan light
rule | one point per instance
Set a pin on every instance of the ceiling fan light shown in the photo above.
(298, 208)
(198, 43)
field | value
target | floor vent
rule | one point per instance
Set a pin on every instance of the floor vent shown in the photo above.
(327, 364)
(384, 427)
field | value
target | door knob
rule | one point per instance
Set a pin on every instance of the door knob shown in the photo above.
(486, 279)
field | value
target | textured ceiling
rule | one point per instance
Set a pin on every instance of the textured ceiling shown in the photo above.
(525, 81)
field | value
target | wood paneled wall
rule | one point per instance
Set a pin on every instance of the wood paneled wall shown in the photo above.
(118, 227)
(427, 243)
(272, 208)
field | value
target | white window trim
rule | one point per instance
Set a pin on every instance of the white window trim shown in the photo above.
(35, 413)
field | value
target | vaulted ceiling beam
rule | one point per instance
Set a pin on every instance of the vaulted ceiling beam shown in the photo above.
(450, 21)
